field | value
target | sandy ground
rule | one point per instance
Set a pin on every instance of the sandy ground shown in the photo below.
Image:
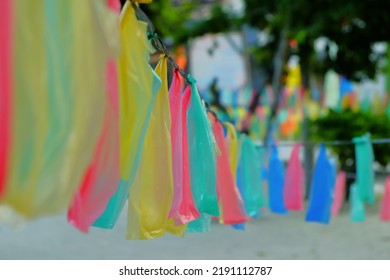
(270, 237)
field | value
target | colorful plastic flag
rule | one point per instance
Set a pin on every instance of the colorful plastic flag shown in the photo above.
(187, 210)
(365, 105)
(102, 177)
(357, 212)
(321, 190)
(114, 5)
(364, 171)
(385, 205)
(138, 86)
(202, 224)
(332, 89)
(345, 86)
(55, 132)
(339, 193)
(202, 150)
(232, 146)
(232, 209)
(5, 88)
(294, 182)
(151, 194)
(249, 176)
(275, 183)
(175, 100)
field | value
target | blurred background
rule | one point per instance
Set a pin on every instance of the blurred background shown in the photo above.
(280, 71)
(309, 71)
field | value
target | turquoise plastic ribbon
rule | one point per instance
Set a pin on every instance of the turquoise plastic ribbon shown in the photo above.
(364, 172)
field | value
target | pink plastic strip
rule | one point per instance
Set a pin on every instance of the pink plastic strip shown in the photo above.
(5, 87)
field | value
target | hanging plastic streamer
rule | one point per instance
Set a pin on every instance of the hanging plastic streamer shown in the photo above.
(151, 193)
(294, 181)
(175, 100)
(339, 193)
(275, 183)
(321, 190)
(332, 89)
(232, 145)
(55, 129)
(345, 87)
(364, 172)
(5, 88)
(232, 209)
(357, 213)
(138, 86)
(187, 210)
(249, 176)
(385, 206)
(102, 177)
(203, 224)
(202, 149)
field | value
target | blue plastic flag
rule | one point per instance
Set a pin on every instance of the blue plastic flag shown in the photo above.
(275, 184)
(315, 93)
(239, 226)
(321, 190)
(345, 86)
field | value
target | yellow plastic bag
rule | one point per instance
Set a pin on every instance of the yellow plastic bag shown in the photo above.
(58, 102)
(151, 194)
(138, 86)
(232, 145)
(102, 177)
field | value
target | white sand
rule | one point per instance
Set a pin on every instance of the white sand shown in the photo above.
(271, 237)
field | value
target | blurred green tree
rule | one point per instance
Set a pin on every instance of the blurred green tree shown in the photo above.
(345, 125)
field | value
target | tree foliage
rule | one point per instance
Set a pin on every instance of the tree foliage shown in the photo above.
(345, 125)
(351, 25)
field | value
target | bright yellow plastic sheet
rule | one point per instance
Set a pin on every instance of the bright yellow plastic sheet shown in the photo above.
(151, 194)
(138, 86)
(57, 116)
(232, 145)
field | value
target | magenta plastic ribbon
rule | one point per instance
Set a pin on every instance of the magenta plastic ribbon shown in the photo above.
(114, 5)
(187, 210)
(5, 87)
(229, 198)
(339, 193)
(294, 182)
(175, 101)
(385, 206)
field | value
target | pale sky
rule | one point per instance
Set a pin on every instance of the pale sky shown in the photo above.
(225, 64)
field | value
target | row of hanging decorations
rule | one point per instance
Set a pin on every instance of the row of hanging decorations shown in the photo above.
(86, 125)
(335, 92)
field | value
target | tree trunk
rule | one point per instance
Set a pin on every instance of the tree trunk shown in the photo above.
(278, 64)
(257, 74)
(308, 150)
